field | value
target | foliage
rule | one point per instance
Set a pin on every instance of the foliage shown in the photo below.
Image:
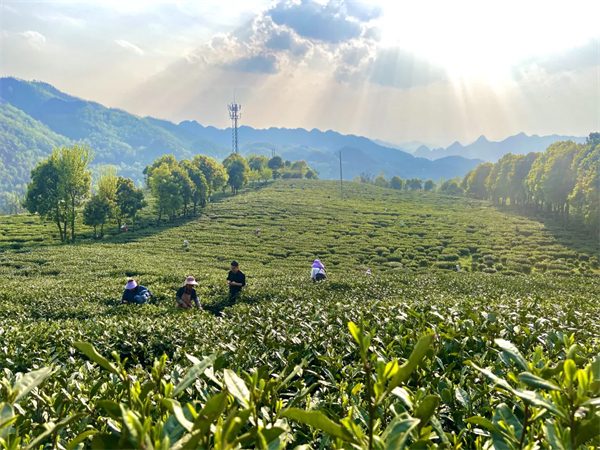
(294, 363)
(237, 171)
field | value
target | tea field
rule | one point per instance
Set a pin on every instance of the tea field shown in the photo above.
(502, 353)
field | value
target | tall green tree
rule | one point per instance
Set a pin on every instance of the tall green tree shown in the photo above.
(586, 194)
(214, 172)
(129, 201)
(414, 184)
(257, 162)
(200, 186)
(429, 185)
(451, 187)
(75, 179)
(380, 180)
(165, 189)
(276, 164)
(476, 181)
(237, 170)
(44, 197)
(397, 183)
(169, 160)
(186, 187)
(97, 212)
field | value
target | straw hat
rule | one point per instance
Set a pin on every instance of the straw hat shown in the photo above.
(190, 280)
(131, 284)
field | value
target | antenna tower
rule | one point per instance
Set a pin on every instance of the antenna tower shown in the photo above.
(235, 115)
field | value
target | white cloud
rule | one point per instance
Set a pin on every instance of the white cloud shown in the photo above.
(129, 46)
(33, 38)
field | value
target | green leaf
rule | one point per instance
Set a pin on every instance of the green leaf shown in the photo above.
(503, 413)
(437, 426)
(536, 399)
(112, 408)
(30, 380)
(210, 413)
(587, 430)
(397, 432)
(193, 373)
(7, 418)
(426, 409)
(404, 397)
(355, 332)
(497, 380)
(105, 441)
(53, 428)
(463, 398)
(552, 436)
(483, 422)
(88, 350)
(79, 439)
(237, 387)
(513, 353)
(320, 421)
(405, 370)
(175, 407)
(537, 382)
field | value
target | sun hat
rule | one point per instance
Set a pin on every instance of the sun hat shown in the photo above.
(190, 280)
(318, 265)
(131, 284)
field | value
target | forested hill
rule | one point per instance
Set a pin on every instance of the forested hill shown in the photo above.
(41, 117)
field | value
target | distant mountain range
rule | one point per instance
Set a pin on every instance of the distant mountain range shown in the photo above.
(492, 151)
(35, 117)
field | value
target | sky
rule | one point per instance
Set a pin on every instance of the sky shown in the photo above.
(432, 71)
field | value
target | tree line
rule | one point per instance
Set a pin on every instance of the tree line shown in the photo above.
(562, 181)
(408, 184)
(61, 186)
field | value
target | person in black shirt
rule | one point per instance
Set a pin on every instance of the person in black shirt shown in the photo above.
(186, 294)
(236, 281)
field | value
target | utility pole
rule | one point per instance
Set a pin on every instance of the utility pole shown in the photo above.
(341, 178)
(235, 115)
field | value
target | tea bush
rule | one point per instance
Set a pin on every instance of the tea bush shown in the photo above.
(414, 354)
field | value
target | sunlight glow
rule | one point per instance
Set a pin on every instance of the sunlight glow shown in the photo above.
(476, 39)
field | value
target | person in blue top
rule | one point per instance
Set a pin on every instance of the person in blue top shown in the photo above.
(135, 293)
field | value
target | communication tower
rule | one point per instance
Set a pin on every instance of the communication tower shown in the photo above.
(235, 115)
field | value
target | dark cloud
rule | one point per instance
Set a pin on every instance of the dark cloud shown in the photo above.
(263, 63)
(570, 60)
(314, 21)
(402, 69)
(280, 41)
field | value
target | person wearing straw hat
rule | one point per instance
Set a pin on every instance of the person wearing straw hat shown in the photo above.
(135, 293)
(318, 271)
(186, 294)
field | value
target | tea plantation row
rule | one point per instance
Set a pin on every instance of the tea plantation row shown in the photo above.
(457, 359)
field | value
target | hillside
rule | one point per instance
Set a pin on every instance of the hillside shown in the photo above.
(489, 151)
(287, 334)
(132, 142)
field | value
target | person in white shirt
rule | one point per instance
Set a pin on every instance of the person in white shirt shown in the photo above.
(318, 271)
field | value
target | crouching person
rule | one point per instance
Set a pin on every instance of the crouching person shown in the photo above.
(135, 293)
(186, 294)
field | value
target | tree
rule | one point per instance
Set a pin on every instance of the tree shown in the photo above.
(170, 160)
(586, 194)
(186, 187)
(165, 190)
(276, 164)
(476, 181)
(380, 180)
(311, 174)
(559, 178)
(129, 200)
(199, 184)
(257, 162)
(96, 212)
(364, 177)
(521, 167)
(397, 183)
(430, 185)
(237, 170)
(414, 184)
(266, 174)
(75, 179)
(300, 166)
(254, 176)
(451, 187)
(214, 173)
(43, 196)
(107, 189)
